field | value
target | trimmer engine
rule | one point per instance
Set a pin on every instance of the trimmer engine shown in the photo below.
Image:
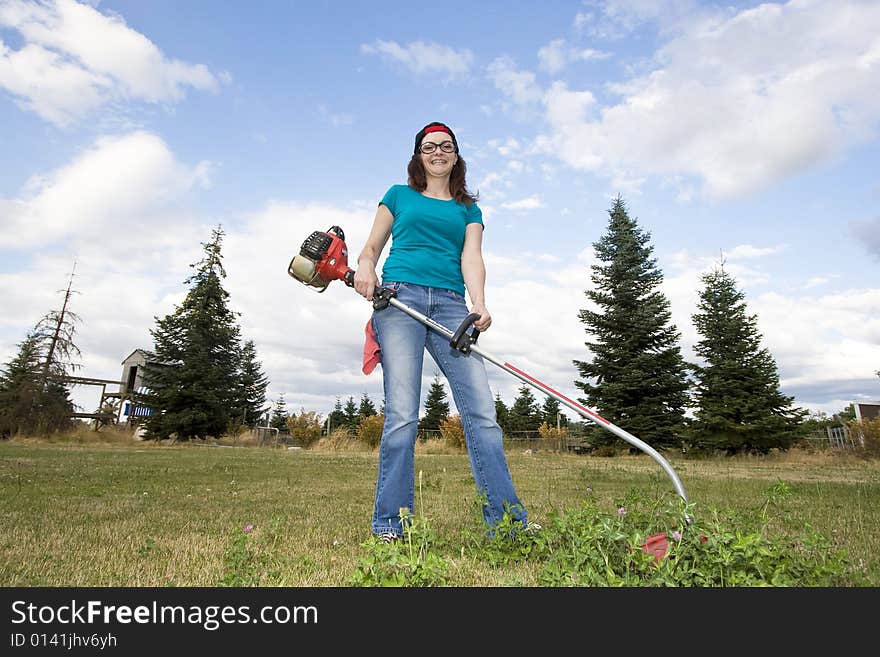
(322, 258)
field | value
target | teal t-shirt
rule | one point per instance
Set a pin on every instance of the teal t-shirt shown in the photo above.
(427, 237)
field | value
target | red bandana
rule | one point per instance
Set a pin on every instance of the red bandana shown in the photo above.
(437, 128)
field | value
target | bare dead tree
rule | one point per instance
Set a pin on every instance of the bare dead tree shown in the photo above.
(56, 328)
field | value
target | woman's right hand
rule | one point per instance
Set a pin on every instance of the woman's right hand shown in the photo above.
(365, 280)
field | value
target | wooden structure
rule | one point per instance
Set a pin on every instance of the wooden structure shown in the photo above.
(121, 391)
(100, 418)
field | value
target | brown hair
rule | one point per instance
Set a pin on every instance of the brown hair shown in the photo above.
(457, 185)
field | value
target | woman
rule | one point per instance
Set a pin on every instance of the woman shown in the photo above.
(436, 231)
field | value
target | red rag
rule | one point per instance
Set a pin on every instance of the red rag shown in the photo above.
(372, 352)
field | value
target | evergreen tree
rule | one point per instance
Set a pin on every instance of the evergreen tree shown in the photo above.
(196, 391)
(502, 413)
(34, 395)
(525, 414)
(848, 414)
(253, 383)
(336, 418)
(279, 414)
(366, 408)
(28, 405)
(739, 405)
(20, 389)
(352, 419)
(436, 406)
(637, 378)
(550, 410)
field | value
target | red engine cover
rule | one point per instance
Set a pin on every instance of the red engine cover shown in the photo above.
(334, 264)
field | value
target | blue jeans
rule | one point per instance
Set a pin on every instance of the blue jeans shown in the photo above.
(403, 341)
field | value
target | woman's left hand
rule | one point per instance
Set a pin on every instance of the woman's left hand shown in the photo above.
(485, 320)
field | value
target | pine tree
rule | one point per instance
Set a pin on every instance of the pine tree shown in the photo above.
(27, 404)
(436, 406)
(34, 393)
(20, 389)
(336, 418)
(502, 413)
(551, 410)
(279, 414)
(525, 414)
(637, 378)
(740, 407)
(366, 408)
(196, 390)
(352, 419)
(253, 383)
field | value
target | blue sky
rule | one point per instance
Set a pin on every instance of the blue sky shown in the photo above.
(741, 130)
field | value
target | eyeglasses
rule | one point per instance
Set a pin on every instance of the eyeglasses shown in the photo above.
(429, 147)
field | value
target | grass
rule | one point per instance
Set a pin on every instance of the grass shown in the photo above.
(108, 512)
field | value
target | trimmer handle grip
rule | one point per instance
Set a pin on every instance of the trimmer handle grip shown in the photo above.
(460, 340)
(382, 297)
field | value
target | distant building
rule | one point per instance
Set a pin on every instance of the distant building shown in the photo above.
(867, 410)
(133, 370)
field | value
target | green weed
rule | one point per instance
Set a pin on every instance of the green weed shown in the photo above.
(410, 561)
(249, 558)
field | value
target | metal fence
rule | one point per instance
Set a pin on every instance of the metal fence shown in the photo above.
(838, 437)
(267, 436)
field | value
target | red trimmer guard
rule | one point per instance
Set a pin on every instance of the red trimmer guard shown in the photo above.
(656, 545)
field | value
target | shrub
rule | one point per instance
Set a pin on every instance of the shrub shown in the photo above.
(339, 440)
(552, 437)
(867, 432)
(305, 427)
(370, 430)
(452, 432)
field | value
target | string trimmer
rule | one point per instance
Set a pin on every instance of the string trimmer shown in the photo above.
(323, 258)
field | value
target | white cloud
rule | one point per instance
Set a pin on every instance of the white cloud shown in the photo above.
(816, 281)
(825, 339)
(75, 59)
(494, 186)
(530, 203)
(748, 251)
(117, 191)
(615, 19)
(557, 54)
(519, 86)
(726, 105)
(506, 148)
(552, 57)
(424, 58)
(581, 20)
